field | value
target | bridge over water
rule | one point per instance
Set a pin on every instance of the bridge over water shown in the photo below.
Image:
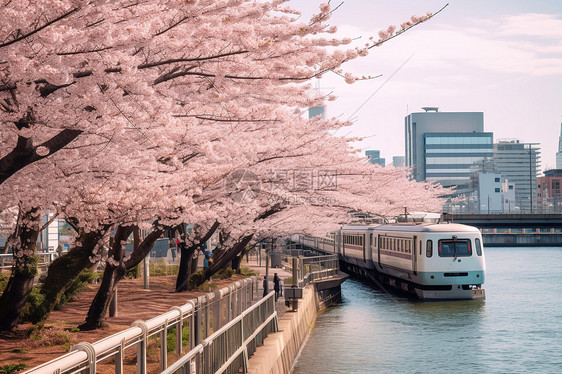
(514, 229)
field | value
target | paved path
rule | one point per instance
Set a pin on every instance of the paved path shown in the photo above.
(254, 264)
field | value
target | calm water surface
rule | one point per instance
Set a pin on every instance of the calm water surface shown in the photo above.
(517, 329)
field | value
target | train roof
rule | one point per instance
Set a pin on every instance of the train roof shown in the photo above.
(415, 227)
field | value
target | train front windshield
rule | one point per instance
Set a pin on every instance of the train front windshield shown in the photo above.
(455, 248)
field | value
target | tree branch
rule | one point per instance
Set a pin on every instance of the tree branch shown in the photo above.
(25, 153)
(34, 31)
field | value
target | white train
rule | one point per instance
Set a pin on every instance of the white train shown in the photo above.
(426, 260)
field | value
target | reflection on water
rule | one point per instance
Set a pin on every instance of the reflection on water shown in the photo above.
(516, 330)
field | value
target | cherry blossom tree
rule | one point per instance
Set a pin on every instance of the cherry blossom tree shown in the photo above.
(136, 114)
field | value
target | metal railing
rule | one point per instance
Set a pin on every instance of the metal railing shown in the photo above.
(224, 319)
(313, 268)
(228, 349)
(45, 259)
(320, 267)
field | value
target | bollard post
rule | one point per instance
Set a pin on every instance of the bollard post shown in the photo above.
(146, 272)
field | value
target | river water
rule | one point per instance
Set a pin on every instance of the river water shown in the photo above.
(517, 329)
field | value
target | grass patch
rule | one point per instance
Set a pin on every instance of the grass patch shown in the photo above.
(50, 336)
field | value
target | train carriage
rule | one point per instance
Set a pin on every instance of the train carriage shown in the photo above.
(426, 260)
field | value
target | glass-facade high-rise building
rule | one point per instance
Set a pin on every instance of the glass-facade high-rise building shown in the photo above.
(449, 156)
(442, 146)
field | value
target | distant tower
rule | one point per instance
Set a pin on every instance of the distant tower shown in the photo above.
(559, 153)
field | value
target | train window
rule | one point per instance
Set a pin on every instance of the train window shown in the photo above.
(455, 248)
(429, 248)
(478, 247)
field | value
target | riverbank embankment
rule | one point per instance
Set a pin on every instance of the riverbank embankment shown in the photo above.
(281, 348)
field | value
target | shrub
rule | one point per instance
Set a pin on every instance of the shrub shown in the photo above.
(208, 286)
(50, 336)
(161, 269)
(86, 276)
(19, 350)
(248, 272)
(195, 279)
(34, 308)
(11, 368)
(224, 273)
(171, 338)
(3, 282)
(133, 272)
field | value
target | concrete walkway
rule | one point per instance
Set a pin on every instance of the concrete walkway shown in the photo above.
(254, 264)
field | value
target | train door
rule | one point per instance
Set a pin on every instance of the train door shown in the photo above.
(415, 258)
(379, 242)
(343, 243)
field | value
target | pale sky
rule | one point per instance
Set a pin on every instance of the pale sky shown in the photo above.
(500, 57)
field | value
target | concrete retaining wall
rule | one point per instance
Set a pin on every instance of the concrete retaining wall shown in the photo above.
(280, 349)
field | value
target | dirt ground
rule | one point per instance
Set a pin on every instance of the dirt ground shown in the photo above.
(30, 347)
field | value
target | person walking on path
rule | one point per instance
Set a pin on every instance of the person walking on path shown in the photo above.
(276, 285)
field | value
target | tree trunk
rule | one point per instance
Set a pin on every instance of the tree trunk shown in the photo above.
(185, 269)
(236, 262)
(100, 305)
(65, 269)
(187, 260)
(23, 272)
(224, 259)
(114, 271)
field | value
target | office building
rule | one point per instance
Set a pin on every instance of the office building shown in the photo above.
(508, 195)
(398, 161)
(442, 146)
(549, 196)
(519, 163)
(490, 193)
(317, 111)
(375, 157)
